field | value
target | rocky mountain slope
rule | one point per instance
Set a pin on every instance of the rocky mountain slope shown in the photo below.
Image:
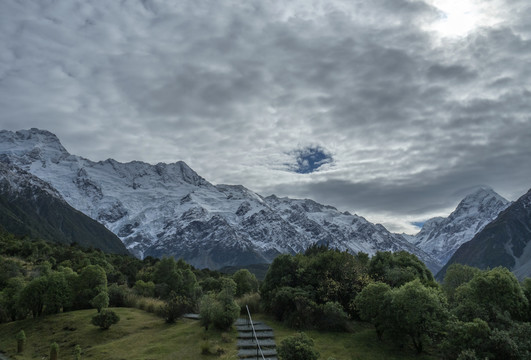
(30, 206)
(441, 237)
(504, 242)
(169, 210)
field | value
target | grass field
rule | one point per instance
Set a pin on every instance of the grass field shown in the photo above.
(138, 335)
(142, 335)
(360, 344)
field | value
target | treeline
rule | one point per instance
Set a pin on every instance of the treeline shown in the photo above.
(38, 278)
(474, 314)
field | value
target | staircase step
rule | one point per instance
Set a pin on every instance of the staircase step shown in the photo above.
(259, 335)
(251, 343)
(257, 328)
(247, 353)
(241, 321)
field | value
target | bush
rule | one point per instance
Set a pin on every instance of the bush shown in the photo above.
(105, 319)
(298, 347)
(54, 351)
(117, 295)
(77, 352)
(21, 340)
(176, 307)
(205, 348)
(224, 315)
(251, 300)
(332, 317)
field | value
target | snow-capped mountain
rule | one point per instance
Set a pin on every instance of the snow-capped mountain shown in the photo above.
(441, 237)
(169, 210)
(506, 241)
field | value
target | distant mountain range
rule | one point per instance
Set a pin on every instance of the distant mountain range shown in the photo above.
(169, 210)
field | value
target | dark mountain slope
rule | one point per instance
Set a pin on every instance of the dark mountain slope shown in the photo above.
(29, 206)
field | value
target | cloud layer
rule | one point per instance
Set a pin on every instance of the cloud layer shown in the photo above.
(413, 118)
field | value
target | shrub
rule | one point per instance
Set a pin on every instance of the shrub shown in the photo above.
(77, 352)
(297, 347)
(21, 340)
(332, 317)
(105, 319)
(117, 295)
(251, 300)
(225, 314)
(54, 351)
(176, 307)
(205, 348)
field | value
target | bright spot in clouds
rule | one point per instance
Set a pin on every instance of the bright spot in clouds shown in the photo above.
(461, 17)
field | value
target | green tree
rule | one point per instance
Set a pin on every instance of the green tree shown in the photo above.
(32, 296)
(398, 268)
(245, 282)
(10, 298)
(492, 295)
(21, 341)
(100, 301)
(206, 310)
(370, 305)
(297, 347)
(226, 310)
(463, 336)
(417, 312)
(58, 294)
(145, 288)
(92, 281)
(457, 275)
(176, 307)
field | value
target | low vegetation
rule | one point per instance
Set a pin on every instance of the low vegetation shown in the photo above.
(344, 306)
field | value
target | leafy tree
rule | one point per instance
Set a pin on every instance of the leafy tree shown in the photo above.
(332, 317)
(457, 275)
(32, 296)
(417, 312)
(297, 347)
(58, 293)
(461, 336)
(10, 298)
(92, 280)
(206, 310)
(369, 304)
(493, 295)
(398, 268)
(226, 310)
(100, 301)
(245, 282)
(176, 307)
(105, 319)
(145, 288)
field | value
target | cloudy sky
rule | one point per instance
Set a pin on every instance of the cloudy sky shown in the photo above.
(391, 109)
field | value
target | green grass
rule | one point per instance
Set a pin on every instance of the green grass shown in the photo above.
(360, 344)
(138, 335)
(142, 335)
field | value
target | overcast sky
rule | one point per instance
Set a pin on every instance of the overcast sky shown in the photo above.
(390, 109)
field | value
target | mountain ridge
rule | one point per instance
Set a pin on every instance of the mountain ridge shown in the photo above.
(168, 209)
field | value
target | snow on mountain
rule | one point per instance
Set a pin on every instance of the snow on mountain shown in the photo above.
(441, 237)
(168, 209)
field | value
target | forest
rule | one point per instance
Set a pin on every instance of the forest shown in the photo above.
(473, 314)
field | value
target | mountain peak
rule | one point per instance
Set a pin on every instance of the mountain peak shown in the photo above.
(33, 144)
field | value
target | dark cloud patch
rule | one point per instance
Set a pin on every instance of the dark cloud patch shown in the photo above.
(309, 159)
(450, 72)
